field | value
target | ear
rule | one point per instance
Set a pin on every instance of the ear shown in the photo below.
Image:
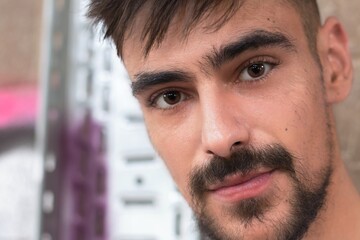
(333, 46)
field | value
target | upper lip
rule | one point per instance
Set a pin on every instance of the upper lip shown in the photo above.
(237, 179)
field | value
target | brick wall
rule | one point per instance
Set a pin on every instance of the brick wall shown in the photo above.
(20, 26)
(348, 113)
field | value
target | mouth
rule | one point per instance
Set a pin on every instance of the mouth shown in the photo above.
(240, 187)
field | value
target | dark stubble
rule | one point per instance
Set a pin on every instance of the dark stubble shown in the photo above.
(305, 203)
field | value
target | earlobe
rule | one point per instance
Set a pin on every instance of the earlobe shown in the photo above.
(336, 60)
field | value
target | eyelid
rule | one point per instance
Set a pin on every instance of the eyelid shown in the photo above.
(151, 101)
(259, 59)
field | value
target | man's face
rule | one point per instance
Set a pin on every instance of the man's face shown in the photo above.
(239, 117)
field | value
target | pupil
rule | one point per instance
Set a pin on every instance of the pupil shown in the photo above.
(256, 70)
(172, 97)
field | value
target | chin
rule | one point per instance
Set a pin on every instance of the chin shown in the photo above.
(282, 213)
(232, 223)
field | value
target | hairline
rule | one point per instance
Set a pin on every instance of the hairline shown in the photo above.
(311, 40)
(118, 24)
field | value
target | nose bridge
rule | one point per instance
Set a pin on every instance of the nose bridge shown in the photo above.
(223, 126)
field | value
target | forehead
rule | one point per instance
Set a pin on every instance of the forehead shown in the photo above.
(176, 50)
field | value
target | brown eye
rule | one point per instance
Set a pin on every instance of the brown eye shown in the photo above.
(172, 97)
(256, 70)
(169, 99)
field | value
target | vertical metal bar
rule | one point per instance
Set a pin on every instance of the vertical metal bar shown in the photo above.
(53, 116)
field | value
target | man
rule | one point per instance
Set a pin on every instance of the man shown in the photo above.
(237, 97)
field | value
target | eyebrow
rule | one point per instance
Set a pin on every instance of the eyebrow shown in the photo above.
(146, 80)
(252, 41)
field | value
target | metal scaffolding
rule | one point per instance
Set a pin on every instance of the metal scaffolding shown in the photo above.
(71, 137)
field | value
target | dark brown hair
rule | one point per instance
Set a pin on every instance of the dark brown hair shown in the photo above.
(118, 16)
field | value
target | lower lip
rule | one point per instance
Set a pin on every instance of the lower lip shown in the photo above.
(249, 189)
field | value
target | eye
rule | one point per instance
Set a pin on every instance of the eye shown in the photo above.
(255, 71)
(169, 99)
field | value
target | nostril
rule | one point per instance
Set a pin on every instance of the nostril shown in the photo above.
(232, 148)
(210, 152)
(235, 145)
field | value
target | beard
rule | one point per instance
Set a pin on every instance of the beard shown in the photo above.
(305, 202)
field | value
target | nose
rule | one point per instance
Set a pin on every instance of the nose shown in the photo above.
(223, 125)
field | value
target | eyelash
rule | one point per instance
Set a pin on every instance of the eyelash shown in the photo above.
(257, 60)
(151, 102)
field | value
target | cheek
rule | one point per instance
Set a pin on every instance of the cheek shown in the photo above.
(299, 122)
(176, 144)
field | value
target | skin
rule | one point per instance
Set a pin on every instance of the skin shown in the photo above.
(290, 104)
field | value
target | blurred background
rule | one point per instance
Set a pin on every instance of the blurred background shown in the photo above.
(75, 160)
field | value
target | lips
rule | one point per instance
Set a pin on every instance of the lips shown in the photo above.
(240, 187)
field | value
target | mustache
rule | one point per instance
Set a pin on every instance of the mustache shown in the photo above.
(242, 161)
